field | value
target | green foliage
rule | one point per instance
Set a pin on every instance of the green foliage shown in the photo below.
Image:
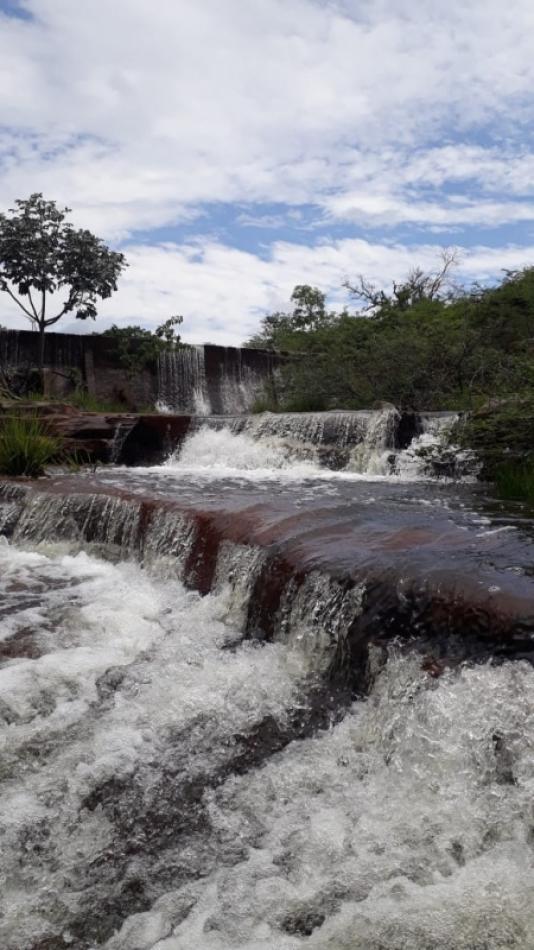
(309, 315)
(263, 404)
(305, 402)
(423, 345)
(138, 348)
(515, 481)
(41, 254)
(26, 447)
(502, 429)
(81, 399)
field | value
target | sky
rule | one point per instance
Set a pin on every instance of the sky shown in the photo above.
(235, 148)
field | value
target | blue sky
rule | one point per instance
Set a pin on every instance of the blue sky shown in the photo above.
(234, 149)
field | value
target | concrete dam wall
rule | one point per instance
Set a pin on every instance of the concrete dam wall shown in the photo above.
(207, 379)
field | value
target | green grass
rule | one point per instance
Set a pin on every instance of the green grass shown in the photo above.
(515, 480)
(26, 447)
(88, 403)
(264, 404)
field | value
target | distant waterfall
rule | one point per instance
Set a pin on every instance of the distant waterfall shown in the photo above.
(206, 380)
(182, 381)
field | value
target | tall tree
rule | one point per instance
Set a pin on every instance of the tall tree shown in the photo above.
(309, 314)
(41, 254)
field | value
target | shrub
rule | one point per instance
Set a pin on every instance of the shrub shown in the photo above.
(263, 404)
(305, 402)
(515, 480)
(27, 447)
(83, 400)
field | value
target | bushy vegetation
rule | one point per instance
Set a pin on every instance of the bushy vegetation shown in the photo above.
(83, 400)
(425, 344)
(515, 481)
(138, 347)
(501, 433)
(26, 447)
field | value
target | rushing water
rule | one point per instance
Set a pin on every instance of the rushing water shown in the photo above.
(171, 780)
(300, 444)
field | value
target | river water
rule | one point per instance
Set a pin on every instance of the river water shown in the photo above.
(170, 784)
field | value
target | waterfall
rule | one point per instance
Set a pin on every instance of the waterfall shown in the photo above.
(375, 453)
(182, 384)
(366, 443)
(212, 379)
(122, 431)
(257, 715)
(431, 454)
(152, 796)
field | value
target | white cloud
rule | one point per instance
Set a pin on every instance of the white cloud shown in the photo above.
(152, 108)
(138, 114)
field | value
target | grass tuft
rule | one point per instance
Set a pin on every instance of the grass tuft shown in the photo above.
(26, 447)
(88, 403)
(515, 480)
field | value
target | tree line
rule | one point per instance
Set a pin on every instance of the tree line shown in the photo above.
(426, 343)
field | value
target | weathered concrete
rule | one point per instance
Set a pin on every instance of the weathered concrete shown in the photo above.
(92, 361)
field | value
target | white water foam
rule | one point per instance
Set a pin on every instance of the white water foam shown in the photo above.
(104, 667)
(220, 453)
(408, 826)
(256, 451)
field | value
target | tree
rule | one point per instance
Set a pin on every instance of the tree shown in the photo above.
(41, 254)
(417, 287)
(278, 330)
(138, 347)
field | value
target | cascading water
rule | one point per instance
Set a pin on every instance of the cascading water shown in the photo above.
(430, 454)
(182, 384)
(362, 443)
(375, 454)
(187, 759)
(213, 379)
(152, 798)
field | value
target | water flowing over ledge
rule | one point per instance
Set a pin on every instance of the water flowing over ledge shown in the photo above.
(209, 379)
(345, 570)
(250, 702)
(369, 442)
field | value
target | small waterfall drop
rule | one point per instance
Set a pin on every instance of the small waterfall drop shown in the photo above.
(362, 443)
(182, 384)
(375, 453)
(431, 454)
(209, 379)
(162, 651)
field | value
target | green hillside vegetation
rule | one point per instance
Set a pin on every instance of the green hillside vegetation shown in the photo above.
(425, 345)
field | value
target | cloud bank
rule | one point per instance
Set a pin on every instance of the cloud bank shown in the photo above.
(234, 149)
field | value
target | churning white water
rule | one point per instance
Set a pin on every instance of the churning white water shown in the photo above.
(128, 822)
(221, 453)
(107, 674)
(293, 445)
(408, 826)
